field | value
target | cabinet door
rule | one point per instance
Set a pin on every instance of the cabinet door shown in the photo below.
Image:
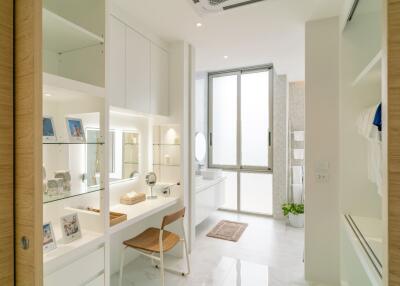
(159, 81)
(137, 72)
(117, 63)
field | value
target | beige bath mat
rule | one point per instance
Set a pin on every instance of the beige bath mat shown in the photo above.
(228, 230)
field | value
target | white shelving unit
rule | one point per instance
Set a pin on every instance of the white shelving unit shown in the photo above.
(361, 248)
(75, 67)
(64, 36)
(372, 71)
(73, 80)
(70, 87)
(362, 180)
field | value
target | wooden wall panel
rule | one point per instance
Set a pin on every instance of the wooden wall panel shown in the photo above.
(6, 144)
(393, 25)
(28, 141)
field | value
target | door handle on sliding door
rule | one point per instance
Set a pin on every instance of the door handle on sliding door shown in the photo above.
(210, 139)
(269, 138)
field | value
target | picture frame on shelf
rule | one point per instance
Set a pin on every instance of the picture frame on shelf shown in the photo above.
(49, 131)
(76, 132)
(70, 227)
(49, 241)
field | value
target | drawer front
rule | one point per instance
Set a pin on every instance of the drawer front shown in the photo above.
(98, 281)
(79, 271)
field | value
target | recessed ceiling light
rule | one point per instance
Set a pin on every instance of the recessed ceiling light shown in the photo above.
(198, 25)
(47, 94)
(225, 57)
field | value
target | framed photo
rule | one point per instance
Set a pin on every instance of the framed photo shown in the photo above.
(75, 129)
(70, 227)
(49, 241)
(49, 132)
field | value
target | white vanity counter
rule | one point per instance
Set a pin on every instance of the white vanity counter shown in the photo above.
(203, 184)
(140, 211)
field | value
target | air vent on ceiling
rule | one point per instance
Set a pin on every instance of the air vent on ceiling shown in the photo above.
(212, 6)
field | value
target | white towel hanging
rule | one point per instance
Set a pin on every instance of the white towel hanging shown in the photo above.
(298, 135)
(297, 191)
(297, 175)
(298, 154)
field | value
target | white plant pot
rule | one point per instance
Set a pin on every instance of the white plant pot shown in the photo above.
(296, 220)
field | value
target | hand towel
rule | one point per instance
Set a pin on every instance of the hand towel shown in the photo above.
(297, 175)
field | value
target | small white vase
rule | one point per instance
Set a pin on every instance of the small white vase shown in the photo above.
(296, 220)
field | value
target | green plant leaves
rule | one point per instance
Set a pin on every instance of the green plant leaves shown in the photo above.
(292, 208)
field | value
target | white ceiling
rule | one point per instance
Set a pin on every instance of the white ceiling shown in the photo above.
(261, 33)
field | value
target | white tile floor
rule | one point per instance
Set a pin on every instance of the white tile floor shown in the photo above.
(269, 253)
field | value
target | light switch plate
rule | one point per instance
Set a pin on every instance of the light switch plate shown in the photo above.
(322, 177)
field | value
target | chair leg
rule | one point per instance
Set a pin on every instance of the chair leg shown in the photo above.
(187, 257)
(121, 266)
(162, 268)
(186, 249)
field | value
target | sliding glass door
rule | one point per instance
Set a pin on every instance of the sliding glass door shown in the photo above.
(240, 142)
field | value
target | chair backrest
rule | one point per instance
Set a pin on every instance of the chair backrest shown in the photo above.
(170, 218)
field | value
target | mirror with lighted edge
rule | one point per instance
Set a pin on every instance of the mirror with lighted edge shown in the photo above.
(123, 151)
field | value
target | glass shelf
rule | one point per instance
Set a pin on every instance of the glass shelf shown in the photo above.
(167, 165)
(158, 144)
(133, 163)
(73, 193)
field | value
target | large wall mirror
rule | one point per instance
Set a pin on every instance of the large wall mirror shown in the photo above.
(123, 148)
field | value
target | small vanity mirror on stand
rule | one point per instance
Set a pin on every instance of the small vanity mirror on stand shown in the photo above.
(151, 180)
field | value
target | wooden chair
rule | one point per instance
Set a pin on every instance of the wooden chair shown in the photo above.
(155, 241)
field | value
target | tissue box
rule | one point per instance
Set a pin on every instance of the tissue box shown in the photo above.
(132, 198)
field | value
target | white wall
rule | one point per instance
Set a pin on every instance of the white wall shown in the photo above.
(322, 110)
(201, 106)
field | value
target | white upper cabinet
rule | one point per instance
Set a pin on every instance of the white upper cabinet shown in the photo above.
(159, 81)
(117, 63)
(137, 72)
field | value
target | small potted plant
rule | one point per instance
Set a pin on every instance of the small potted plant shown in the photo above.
(295, 212)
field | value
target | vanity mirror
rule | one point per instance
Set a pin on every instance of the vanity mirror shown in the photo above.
(123, 148)
(200, 147)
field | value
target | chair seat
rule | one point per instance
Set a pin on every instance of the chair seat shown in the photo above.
(148, 240)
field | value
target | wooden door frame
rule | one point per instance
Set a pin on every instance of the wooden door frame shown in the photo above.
(393, 107)
(6, 144)
(28, 142)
